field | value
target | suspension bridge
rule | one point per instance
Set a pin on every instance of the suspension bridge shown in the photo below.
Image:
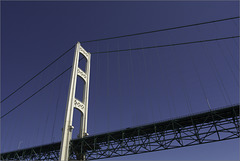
(202, 70)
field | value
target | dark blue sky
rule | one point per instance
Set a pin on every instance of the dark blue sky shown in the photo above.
(127, 88)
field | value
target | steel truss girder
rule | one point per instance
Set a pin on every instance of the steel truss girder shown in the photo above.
(213, 126)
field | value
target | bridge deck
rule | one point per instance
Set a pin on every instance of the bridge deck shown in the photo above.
(211, 126)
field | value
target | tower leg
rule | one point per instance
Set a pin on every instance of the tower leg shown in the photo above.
(72, 103)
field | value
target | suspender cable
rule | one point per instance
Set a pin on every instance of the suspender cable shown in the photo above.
(130, 90)
(234, 60)
(119, 87)
(181, 78)
(108, 92)
(48, 110)
(96, 81)
(230, 68)
(133, 86)
(216, 74)
(145, 73)
(147, 76)
(167, 93)
(55, 113)
(201, 84)
(237, 27)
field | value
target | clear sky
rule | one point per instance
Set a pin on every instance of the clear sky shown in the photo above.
(127, 88)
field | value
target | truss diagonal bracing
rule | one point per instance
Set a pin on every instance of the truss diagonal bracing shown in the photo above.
(213, 126)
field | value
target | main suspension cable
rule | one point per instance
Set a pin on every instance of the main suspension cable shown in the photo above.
(36, 92)
(167, 45)
(128, 35)
(149, 47)
(54, 61)
(166, 29)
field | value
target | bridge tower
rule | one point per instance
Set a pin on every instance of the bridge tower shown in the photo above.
(73, 102)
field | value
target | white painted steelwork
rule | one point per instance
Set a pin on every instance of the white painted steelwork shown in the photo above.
(72, 103)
